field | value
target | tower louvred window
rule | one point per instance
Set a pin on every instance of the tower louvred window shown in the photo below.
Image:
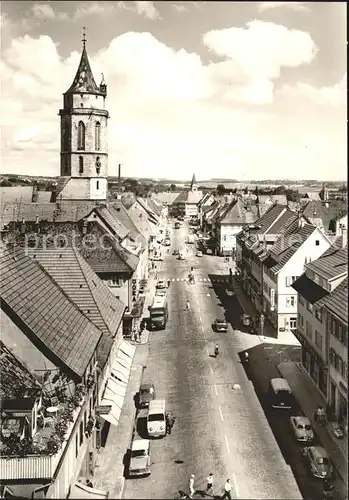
(81, 136)
(97, 136)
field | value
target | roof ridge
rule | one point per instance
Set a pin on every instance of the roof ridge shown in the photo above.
(78, 257)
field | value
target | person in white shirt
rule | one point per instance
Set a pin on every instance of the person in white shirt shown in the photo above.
(188, 306)
(227, 490)
(191, 486)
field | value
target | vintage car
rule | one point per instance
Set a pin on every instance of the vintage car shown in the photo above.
(302, 429)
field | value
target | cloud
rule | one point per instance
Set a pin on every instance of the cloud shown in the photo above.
(262, 48)
(94, 8)
(335, 95)
(43, 11)
(300, 6)
(147, 9)
(179, 7)
(170, 111)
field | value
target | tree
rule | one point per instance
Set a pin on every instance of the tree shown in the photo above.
(173, 187)
(220, 189)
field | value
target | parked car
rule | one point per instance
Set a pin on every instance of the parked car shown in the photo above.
(167, 243)
(175, 252)
(161, 292)
(161, 284)
(145, 395)
(158, 257)
(246, 319)
(140, 459)
(302, 429)
(181, 256)
(318, 461)
(199, 253)
(220, 325)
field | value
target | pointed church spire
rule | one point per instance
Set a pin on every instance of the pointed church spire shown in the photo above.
(193, 183)
(84, 81)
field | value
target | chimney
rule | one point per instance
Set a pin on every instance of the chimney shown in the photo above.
(54, 194)
(35, 193)
(119, 182)
(344, 237)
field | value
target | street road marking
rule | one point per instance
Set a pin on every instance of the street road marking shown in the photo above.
(226, 442)
(220, 413)
(216, 391)
(235, 485)
(122, 487)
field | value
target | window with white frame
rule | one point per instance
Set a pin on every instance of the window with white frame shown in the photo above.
(115, 281)
(290, 280)
(318, 339)
(310, 307)
(290, 301)
(293, 323)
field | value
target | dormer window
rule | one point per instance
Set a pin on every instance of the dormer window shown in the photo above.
(81, 136)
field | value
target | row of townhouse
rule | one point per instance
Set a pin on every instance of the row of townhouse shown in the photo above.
(224, 217)
(70, 275)
(270, 256)
(322, 327)
(116, 239)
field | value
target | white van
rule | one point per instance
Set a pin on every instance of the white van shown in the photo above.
(156, 420)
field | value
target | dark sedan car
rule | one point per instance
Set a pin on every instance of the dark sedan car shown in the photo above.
(145, 395)
(220, 325)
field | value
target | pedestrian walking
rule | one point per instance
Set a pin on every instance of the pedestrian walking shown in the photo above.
(209, 487)
(188, 306)
(227, 490)
(191, 486)
(170, 421)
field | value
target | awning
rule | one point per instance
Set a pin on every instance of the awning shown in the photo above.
(113, 396)
(123, 359)
(120, 372)
(127, 349)
(79, 490)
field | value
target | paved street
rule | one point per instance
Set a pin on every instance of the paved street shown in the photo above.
(218, 429)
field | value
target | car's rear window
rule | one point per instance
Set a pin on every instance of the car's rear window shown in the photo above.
(323, 460)
(307, 427)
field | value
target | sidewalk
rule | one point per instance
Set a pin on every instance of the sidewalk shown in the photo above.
(109, 471)
(270, 334)
(309, 397)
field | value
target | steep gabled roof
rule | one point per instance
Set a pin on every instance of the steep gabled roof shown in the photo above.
(151, 215)
(331, 263)
(238, 213)
(337, 301)
(307, 288)
(45, 313)
(122, 214)
(268, 219)
(190, 197)
(115, 225)
(72, 273)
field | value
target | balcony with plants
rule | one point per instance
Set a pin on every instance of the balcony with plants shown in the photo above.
(35, 453)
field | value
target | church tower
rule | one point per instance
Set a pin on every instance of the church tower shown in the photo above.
(84, 139)
(193, 185)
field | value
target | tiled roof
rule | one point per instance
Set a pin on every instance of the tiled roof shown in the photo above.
(318, 209)
(282, 225)
(122, 214)
(83, 81)
(166, 198)
(331, 263)
(285, 242)
(238, 213)
(109, 258)
(103, 349)
(338, 301)
(151, 215)
(51, 319)
(269, 218)
(140, 220)
(281, 199)
(308, 289)
(72, 273)
(65, 211)
(189, 196)
(16, 379)
(115, 225)
(154, 205)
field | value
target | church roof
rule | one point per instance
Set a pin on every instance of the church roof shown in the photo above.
(84, 81)
(193, 181)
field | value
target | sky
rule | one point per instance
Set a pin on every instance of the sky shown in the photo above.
(232, 90)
